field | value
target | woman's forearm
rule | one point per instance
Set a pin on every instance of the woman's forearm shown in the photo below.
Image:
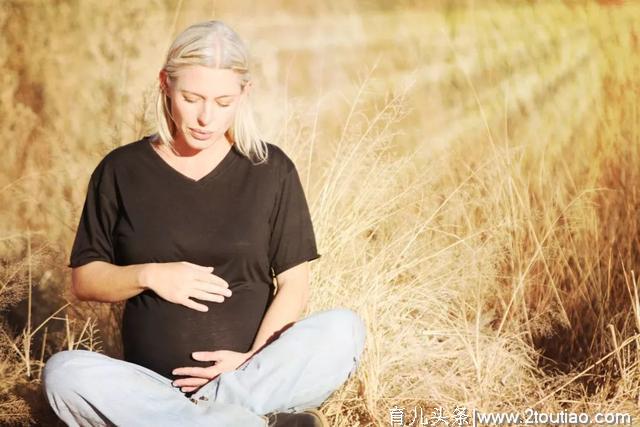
(286, 307)
(105, 282)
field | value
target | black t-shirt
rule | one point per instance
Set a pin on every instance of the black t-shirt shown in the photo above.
(250, 222)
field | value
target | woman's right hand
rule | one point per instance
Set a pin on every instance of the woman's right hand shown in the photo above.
(177, 282)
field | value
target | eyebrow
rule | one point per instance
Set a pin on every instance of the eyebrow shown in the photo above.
(201, 96)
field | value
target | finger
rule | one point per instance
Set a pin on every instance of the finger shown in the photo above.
(213, 289)
(198, 267)
(190, 382)
(194, 305)
(207, 356)
(206, 296)
(211, 278)
(188, 389)
(192, 371)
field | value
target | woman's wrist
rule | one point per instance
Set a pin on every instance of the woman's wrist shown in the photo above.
(145, 275)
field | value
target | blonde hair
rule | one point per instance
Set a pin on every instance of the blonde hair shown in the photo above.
(212, 44)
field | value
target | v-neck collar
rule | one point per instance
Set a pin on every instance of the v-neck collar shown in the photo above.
(224, 164)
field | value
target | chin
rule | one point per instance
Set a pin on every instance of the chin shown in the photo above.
(197, 143)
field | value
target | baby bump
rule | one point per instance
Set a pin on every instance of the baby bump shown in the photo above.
(161, 335)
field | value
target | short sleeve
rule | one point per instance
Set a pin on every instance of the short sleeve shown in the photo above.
(93, 240)
(292, 240)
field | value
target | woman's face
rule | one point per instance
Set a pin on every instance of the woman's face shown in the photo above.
(203, 104)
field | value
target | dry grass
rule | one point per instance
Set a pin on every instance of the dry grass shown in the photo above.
(471, 170)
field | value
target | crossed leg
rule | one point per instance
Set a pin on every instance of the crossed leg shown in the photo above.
(298, 370)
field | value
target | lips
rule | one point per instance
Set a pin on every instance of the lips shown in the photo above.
(200, 135)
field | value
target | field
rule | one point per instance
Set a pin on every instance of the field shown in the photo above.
(471, 168)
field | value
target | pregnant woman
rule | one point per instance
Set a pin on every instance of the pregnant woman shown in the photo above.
(191, 225)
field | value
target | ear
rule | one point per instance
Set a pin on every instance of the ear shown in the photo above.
(248, 87)
(163, 79)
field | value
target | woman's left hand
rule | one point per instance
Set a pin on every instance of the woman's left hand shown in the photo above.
(225, 360)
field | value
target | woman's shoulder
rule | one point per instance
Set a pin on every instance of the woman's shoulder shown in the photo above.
(121, 157)
(126, 151)
(278, 158)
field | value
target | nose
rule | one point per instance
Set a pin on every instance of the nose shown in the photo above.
(205, 114)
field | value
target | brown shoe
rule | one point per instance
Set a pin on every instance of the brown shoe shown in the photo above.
(306, 418)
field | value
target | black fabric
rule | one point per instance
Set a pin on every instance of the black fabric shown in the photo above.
(250, 222)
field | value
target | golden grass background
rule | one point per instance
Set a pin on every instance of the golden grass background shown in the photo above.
(471, 167)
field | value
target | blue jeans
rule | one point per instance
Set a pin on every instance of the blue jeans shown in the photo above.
(296, 371)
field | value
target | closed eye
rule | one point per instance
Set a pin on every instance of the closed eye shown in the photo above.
(191, 101)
